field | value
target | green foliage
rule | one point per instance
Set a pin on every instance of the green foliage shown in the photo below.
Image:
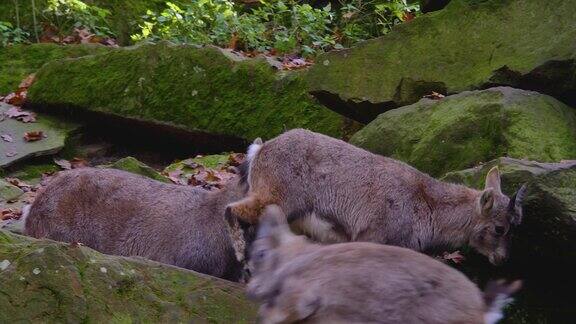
(360, 19)
(65, 15)
(201, 22)
(283, 26)
(10, 35)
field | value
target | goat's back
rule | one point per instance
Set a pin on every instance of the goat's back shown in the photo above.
(369, 283)
(117, 212)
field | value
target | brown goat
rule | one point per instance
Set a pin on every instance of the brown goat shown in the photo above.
(361, 282)
(117, 212)
(335, 192)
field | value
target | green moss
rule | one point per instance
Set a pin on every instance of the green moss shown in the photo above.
(32, 173)
(458, 48)
(463, 130)
(8, 192)
(199, 89)
(17, 62)
(77, 284)
(209, 161)
(131, 164)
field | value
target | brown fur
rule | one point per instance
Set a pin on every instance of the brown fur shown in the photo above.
(297, 281)
(336, 192)
(116, 212)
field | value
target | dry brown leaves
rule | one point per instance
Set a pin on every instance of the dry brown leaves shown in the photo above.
(21, 115)
(34, 136)
(10, 213)
(20, 184)
(295, 63)
(434, 96)
(50, 34)
(209, 179)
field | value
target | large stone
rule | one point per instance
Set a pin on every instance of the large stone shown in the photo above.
(8, 192)
(44, 281)
(549, 225)
(17, 62)
(203, 90)
(55, 131)
(468, 45)
(460, 131)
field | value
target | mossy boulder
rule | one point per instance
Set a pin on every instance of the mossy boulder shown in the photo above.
(468, 45)
(463, 130)
(549, 225)
(204, 90)
(132, 165)
(31, 173)
(8, 192)
(55, 132)
(45, 281)
(19, 61)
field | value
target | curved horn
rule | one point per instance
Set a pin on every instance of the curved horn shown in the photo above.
(515, 206)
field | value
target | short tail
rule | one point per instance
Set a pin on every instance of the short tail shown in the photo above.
(24, 217)
(496, 297)
(25, 213)
(254, 149)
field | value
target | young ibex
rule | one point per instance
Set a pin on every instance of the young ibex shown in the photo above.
(336, 192)
(116, 212)
(300, 282)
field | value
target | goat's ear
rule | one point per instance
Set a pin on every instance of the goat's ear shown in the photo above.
(493, 179)
(515, 207)
(273, 225)
(486, 202)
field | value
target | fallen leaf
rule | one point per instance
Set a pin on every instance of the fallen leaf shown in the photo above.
(434, 96)
(33, 136)
(7, 138)
(19, 183)
(408, 16)
(9, 213)
(27, 82)
(176, 177)
(11, 154)
(233, 43)
(455, 257)
(235, 159)
(21, 115)
(16, 98)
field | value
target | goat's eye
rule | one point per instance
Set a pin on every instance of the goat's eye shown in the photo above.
(259, 255)
(500, 230)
